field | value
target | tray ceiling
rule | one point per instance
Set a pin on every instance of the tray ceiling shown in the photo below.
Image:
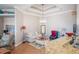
(39, 9)
(48, 9)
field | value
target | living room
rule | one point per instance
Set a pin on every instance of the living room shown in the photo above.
(37, 26)
(40, 19)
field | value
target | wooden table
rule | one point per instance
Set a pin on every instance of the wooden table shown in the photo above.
(4, 51)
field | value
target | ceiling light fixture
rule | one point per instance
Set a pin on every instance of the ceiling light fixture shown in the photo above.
(43, 20)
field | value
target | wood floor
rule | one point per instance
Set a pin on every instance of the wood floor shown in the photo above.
(25, 48)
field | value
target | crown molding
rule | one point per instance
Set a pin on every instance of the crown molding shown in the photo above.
(24, 12)
(39, 15)
(60, 12)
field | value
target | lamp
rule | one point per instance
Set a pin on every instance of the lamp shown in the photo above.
(23, 31)
(23, 28)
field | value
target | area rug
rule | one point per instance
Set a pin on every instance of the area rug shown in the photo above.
(36, 45)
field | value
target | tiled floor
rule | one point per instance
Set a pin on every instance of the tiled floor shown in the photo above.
(25, 48)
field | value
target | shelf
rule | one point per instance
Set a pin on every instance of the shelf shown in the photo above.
(7, 14)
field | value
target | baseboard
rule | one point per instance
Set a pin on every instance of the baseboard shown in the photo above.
(18, 44)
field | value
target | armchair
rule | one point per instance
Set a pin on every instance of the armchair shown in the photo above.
(7, 42)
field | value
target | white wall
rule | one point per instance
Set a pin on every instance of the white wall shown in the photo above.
(31, 23)
(22, 19)
(77, 14)
(18, 24)
(59, 21)
(78, 18)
